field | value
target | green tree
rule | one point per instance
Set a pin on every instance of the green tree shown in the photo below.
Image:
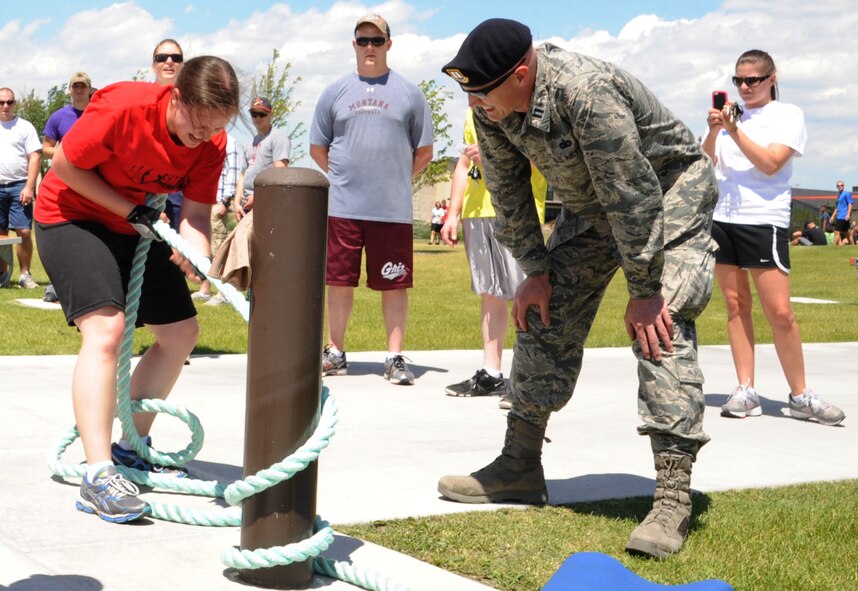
(275, 84)
(36, 110)
(438, 170)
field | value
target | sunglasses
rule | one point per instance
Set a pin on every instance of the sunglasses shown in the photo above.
(483, 92)
(160, 58)
(257, 114)
(376, 41)
(750, 81)
(8, 103)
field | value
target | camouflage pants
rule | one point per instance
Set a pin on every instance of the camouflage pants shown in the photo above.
(547, 359)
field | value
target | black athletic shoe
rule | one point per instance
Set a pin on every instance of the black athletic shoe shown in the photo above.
(130, 459)
(482, 384)
(112, 497)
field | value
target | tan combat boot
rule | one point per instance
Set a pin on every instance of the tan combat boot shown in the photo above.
(663, 530)
(515, 475)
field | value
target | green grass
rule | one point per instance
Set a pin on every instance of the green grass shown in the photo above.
(790, 538)
(800, 537)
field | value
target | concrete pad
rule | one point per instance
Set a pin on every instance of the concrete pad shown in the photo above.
(392, 445)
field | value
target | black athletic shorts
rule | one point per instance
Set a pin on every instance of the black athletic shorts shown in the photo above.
(751, 247)
(90, 266)
(841, 226)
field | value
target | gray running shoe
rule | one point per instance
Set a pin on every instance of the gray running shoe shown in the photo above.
(743, 402)
(217, 299)
(112, 497)
(482, 384)
(811, 406)
(334, 365)
(201, 296)
(505, 403)
(396, 371)
(27, 282)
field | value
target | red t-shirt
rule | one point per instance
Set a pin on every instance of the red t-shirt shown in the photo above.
(123, 136)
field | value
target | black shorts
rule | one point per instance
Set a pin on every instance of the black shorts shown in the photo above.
(436, 227)
(90, 266)
(841, 226)
(751, 247)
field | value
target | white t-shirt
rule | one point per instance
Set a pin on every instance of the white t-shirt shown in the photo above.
(18, 139)
(746, 195)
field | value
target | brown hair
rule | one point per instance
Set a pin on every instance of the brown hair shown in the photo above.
(766, 63)
(162, 42)
(209, 82)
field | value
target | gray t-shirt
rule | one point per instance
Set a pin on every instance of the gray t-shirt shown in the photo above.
(261, 153)
(372, 127)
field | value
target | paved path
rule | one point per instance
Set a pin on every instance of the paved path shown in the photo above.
(392, 445)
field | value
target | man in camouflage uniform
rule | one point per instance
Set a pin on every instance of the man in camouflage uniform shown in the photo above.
(637, 194)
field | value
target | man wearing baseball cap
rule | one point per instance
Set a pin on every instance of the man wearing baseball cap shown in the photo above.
(61, 120)
(269, 147)
(638, 195)
(371, 133)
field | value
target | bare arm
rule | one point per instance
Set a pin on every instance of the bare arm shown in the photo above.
(49, 148)
(319, 154)
(458, 184)
(34, 162)
(281, 163)
(422, 158)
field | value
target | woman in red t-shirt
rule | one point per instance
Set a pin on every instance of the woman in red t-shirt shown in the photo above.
(134, 139)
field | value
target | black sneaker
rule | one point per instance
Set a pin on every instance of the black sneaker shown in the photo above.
(112, 497)
(482, 384)
(130, 459)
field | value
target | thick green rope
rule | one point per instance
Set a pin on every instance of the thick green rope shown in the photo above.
(235, 492)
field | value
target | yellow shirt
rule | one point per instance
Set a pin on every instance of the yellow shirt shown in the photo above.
(478, 201)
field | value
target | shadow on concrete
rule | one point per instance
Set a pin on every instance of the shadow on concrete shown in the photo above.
(55, 583)
(368, 368)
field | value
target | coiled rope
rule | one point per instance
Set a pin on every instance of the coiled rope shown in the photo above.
(235, 492)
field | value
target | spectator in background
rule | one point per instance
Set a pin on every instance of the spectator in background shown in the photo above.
(435, 223)
(495, 275)
(752, 152)
(270, 147)
(63, 118)
(810, 235)
(226, 190)
(167, 60)
(825, 219)
(842, 216)
(371, 133)
(20, 159)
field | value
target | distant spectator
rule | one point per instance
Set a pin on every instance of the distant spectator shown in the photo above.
(270, 147)
(811, 235)
(167, 60)
(435, 223)
(842, 216)
(825, 219)
(62, 119)
(20, 159)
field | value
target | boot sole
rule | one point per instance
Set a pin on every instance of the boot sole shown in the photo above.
(537, 497)
(648, 549)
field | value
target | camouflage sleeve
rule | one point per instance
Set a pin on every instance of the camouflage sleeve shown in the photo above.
(625, 184)
(507, 173)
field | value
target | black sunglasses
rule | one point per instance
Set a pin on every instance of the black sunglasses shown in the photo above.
(376, 41)
(483, 92)
(257, 114)
(750, 81)
(160, 58)
(8, 103)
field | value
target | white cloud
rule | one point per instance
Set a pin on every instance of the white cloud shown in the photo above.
(682, 61)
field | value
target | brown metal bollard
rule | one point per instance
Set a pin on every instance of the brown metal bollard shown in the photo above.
(284, 361)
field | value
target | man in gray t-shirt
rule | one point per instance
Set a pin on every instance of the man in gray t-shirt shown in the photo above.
(269, 147)
(371, 133)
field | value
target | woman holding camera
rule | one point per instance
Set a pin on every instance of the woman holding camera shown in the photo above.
(134, 139)
(752, 151)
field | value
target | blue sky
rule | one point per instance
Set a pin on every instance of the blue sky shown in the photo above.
(682, 50)
(565, 18)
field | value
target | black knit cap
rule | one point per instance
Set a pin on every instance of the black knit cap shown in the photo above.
(491, 50)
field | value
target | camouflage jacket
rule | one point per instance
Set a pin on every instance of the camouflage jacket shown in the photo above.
(616, 158)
